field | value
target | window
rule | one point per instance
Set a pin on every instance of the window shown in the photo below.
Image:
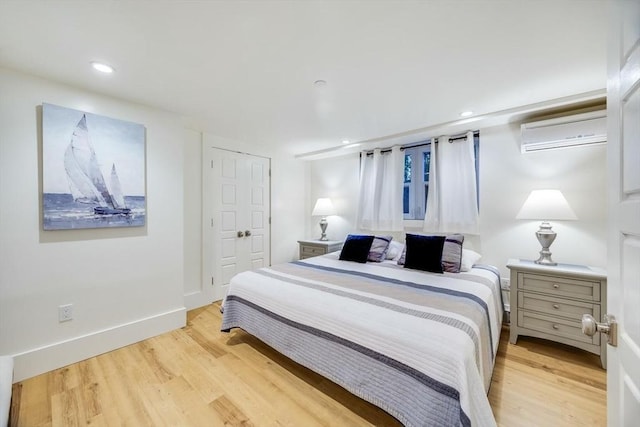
(416, 181)
(416, 178)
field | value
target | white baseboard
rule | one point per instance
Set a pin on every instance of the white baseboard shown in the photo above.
(196, 300)
(44, 359)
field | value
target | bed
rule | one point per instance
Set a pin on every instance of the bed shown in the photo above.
(419, 345)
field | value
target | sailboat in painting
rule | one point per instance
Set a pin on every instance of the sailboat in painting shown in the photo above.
(86, 182)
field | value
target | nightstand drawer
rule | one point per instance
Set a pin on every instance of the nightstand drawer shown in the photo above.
(312, 250)
(559, 286)
(557, 306)
(557, 326)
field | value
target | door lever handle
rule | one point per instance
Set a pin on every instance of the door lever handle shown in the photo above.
(240, 234)
(247, 233)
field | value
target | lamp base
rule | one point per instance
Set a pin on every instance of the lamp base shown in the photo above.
(545, 236)
(323, 227)
(545, 260)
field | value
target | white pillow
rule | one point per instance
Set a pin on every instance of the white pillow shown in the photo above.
(469, 258)
(395, 250)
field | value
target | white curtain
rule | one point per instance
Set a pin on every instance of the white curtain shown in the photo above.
(381, 185)
(452, 205)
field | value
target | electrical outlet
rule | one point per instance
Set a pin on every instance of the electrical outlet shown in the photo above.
(65, 312)
(505, 283)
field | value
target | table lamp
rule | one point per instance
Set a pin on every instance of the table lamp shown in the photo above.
(546, 205)
(323, 208)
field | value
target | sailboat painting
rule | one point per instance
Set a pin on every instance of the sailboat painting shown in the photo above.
(93, 170)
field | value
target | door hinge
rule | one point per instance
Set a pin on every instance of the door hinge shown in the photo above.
(269, 220)
(269, 173)
(212, 222)
(211, 280)
(211, 164)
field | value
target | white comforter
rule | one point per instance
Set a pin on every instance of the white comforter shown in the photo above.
(419, 345)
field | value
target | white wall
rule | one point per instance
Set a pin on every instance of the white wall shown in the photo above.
(125, 284)
(336, 178)
(196, 292)
(506, 178)
(288, 213)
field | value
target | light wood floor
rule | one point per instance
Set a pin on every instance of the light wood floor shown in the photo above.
(197, 376)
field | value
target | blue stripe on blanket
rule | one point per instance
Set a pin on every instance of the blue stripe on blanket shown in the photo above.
(464, 327)
(497, 273)
(414, 285)
(417, 375)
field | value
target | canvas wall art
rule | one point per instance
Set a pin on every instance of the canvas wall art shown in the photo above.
(93, 170)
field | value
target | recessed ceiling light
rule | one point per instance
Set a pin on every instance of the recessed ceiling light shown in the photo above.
(345, 141)
(466, 114)
(319, 83)
(103, 68)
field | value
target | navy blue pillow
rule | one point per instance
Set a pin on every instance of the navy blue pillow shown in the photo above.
(356, 248)
(424, 252)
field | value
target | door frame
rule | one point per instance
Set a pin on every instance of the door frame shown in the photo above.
(208, 252)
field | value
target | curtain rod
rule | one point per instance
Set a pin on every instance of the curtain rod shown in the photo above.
(421, 144)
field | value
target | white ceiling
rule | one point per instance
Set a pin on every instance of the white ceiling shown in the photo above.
(245, 69)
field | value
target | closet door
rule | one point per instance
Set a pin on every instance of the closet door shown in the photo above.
(240, 196)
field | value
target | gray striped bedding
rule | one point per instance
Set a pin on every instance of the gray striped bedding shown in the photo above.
(419, 345)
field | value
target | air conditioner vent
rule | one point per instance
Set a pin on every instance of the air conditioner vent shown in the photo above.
(563, 132)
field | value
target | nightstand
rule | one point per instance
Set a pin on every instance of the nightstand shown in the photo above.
(311, 248)
(549, 301)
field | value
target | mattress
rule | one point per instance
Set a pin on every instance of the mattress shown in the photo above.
(419, 345)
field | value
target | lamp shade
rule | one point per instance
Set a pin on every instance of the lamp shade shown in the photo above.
(546, 205)
(323, 207)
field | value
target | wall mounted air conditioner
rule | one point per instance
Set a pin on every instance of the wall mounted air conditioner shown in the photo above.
(562, 132)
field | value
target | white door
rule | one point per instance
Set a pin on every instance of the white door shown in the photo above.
(239, 216)
(623, 153)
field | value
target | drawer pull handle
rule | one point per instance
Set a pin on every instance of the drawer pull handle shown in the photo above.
(556, 327)
(556, 306)
(556, 286)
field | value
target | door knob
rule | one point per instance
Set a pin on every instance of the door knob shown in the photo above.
(247, 233)
(240, 234)
(608, 327)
